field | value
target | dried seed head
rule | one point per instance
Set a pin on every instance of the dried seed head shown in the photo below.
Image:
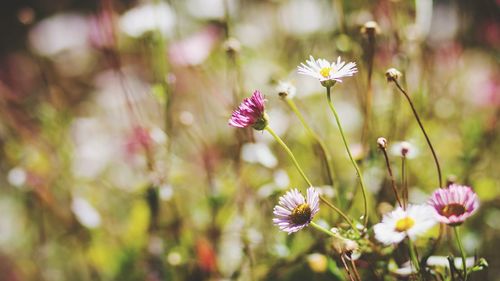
(392, 74)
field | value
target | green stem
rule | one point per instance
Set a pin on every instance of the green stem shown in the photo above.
(294, 160)
(301, 172)
(436, 161)
(413, 256)
(404, 183)
(358, 172)
(325, 153)
(324, 230)
(344, 216)
(462, 252)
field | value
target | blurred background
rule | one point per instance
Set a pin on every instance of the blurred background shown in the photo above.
(117, 162)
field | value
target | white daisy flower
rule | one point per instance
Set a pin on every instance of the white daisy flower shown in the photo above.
(286, 89)
(398, 224)
(325, 71)
(404, 149)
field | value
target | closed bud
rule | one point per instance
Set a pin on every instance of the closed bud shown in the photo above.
(232, 46)
(370, 28)
(392, 74)
(382, 143)
(344, 245)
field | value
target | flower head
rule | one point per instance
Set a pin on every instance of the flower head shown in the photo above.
(393, 74)
(382, 143)
(398, 224)
(286, 90)
(295, 212)
(404, 149)
(453, 205)
(250, 113)
(327, 73)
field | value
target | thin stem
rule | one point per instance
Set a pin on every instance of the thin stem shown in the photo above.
(324, 230)
(436, 161)
(356, 273)
(325, 153)
(344, 216)
(391, 176)
(294, 160)
(358, 172)
(413, 256)
(346, 267)
(404, 182)
(462, 252)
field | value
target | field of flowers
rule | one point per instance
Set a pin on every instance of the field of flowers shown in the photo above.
(275, 140)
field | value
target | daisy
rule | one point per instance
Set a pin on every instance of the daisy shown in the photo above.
(327, 73)
(454, 204)
(250, 113)
(295, 212)
(398, 224)
(404, 149)
(286, 89)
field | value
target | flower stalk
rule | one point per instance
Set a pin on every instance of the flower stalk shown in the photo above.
(306, 179)
(413, 257)
(358, 171)
(404, 182)
(462, 253)
(324, 151)
(382, 143)
(436, 161)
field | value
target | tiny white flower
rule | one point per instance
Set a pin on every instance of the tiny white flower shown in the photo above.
(404, 149)
(325, 71)
(286, 89)
(398, 224)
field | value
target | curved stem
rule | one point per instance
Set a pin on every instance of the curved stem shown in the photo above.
(436, 161)
(354, 268)
(344, 216)
(301, 172)
(462, 252)
(294, 160)
(358, 172)
(391, 176)
(325, 153)
(324, 230)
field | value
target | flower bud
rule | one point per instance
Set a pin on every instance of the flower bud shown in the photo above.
(232, 45)
(392, 74)
(343, 245)
(382, 143)
(370, 28)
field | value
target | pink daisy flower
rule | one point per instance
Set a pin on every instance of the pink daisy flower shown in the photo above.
(453, 205)
(295, 212)
(250, 113)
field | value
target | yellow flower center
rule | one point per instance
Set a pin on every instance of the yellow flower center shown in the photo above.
(404, 224)
(452, 209)
(325, 71)
(301, 214)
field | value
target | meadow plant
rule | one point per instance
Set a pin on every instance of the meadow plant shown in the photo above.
(215, 140)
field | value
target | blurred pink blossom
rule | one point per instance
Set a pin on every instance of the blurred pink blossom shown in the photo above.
(194, 49)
